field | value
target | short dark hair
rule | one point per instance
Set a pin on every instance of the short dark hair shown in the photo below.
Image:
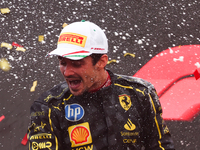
(95, 58)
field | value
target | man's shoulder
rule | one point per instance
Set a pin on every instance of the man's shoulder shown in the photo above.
(57, 92)
(133, 81)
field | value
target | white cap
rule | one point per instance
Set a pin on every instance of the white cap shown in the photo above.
(81, 39)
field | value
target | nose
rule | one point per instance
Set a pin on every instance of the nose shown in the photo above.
(68, 71)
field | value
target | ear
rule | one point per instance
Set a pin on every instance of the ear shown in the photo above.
(102, 62)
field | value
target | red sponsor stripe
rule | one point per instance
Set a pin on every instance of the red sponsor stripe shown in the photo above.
(76, 52)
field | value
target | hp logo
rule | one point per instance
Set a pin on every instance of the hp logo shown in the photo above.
(74, 112)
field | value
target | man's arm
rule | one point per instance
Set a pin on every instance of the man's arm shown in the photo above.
(41, 133)
(159, 137)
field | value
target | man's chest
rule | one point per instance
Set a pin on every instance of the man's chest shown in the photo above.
(101, 124)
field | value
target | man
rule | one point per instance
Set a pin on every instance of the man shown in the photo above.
(95, 109)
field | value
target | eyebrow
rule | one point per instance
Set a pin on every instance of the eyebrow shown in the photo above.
(60, 58)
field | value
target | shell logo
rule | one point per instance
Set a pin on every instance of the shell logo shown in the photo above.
(80, 134)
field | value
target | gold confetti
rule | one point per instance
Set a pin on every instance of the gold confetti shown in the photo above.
(133, 55)
(4, 64)
(7, 45)
(64, 25)
(41, 38)
(34, 86)
(111, 61)
(5, 10)
(21, 49)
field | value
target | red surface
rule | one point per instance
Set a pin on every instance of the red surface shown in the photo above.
(182, 100)
(196, 74)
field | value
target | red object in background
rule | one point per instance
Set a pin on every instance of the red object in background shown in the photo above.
(171, 72)
(1, 118)
(196, 74)
(24, 140)
(15, 44)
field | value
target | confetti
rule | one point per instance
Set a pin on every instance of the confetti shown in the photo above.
(64, 25)
(197, 64)
(140, 42)
(41, 38)
(15, 44)
(133, 55)
(34, 86)
(111, 61)
(5, 10)
(7, 45)
(179, 59)
(24, 140)
(21, 49)
(2, 117)
(4, 64)
(170, 50)
(196, 74)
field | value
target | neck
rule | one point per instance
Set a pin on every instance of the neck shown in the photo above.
(101, 81)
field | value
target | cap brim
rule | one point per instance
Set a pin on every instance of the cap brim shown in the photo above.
(70, 53)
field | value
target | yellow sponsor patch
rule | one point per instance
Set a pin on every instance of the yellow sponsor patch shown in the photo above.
(129, 126)
(41, 145)
(72, 38)
(80, 134)
(41, 136)
(125, 101)
(132, 141)
(37, 113)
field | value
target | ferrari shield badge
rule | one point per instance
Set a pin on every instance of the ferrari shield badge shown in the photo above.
(125, 101)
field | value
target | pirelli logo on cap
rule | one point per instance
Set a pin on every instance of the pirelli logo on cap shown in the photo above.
(80, 134)
(72, 38)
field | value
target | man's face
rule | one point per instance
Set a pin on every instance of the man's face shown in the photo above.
(80, 75)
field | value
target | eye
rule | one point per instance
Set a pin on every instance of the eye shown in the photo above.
(61, 61)
(77, 64)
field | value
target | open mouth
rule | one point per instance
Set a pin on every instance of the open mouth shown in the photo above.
(74, 84)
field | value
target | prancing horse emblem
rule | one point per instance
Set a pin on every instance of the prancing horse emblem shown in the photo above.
(125, 101)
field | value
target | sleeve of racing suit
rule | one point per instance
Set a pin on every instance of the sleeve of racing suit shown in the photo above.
(158, 137)
(41, 134)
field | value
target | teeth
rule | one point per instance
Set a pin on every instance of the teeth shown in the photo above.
(75, 82)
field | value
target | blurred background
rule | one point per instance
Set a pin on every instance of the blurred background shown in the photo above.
(143, 28)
